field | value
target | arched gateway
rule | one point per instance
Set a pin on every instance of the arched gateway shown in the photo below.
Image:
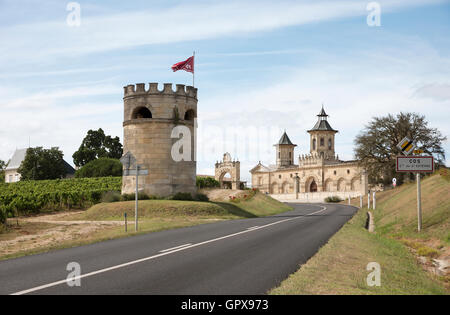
(227, 173)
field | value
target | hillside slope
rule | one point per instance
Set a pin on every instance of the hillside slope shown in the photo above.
(405, 256)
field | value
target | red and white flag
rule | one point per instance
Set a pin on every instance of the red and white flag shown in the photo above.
(187, 65)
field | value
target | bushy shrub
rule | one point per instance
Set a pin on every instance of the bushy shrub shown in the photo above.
(207, 182)
(111, 196)
(2, 215)
(201, 197)
(141, 196)
(182, 196)
(102, 167)
(333, 199)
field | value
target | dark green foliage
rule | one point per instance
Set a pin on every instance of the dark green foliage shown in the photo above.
(207, 182)
(3, 165)
(376, 145)
(97, 145)
(102, 167)
(111, 196)
(41, 164)
(27, 197)
(141, 196)
(333, 199)
(201, 197)
(182, 196)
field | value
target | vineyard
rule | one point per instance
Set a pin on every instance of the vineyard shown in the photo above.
(26, 197)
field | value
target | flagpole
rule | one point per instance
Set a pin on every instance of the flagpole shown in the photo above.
(193, 72)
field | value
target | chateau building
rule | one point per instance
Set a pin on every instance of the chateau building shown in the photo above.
(317, 175)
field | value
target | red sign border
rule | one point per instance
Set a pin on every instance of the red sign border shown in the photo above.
(415, 156)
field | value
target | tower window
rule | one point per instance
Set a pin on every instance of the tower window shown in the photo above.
(322, 142)
(314, 144)
(141, 112)
(329, 144)
(190, 115)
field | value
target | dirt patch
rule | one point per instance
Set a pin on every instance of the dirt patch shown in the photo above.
(46, 231)
(222, 194)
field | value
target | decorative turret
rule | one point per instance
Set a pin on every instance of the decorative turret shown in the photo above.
(322, 137)
(285, 151)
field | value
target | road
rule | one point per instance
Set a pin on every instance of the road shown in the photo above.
(248, 256)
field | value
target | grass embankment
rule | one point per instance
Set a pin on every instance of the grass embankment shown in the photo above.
(155, 215)
(340, 266)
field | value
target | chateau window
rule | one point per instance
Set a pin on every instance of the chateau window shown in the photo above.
(348, 171)
(279, 176)
(329, 144)
(314, 144)
(291, 175)
(334, 172)
(279, 154)
(322, 142)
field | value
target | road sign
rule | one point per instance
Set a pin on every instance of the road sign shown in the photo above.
(128, 160)
(418, 151)
(406, 146)
(394, 182)
(420, 164)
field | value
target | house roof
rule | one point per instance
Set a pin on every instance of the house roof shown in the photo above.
(285, 140)
(17, 158)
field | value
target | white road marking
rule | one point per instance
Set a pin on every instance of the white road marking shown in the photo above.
(45, 286)
(169, 249)
(253, 227)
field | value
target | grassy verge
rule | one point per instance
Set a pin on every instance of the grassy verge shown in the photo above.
(340, 266)
(154, 215)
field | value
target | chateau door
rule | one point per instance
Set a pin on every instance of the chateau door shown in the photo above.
(313, 187)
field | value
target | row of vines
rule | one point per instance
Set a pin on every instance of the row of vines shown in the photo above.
(27, 197)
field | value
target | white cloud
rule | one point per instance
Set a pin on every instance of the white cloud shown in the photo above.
(193, 21)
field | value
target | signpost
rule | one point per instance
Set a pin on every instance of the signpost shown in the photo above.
(132, 168)
(406, 146)
(416, 164)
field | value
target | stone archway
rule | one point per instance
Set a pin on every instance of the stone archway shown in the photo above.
(311, 184)
(228, 166)
(355, 184)
(328, 185)
(274, 189)
(341, 185)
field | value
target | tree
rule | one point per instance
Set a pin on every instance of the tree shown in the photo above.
(102, 167)
(96, 145)
(3, 165)
(376, 146)
(42, 164)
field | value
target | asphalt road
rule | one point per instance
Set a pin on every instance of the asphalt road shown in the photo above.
(248, 256)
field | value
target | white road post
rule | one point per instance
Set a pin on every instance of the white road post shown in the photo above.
(419, 204)
(374, 200)
(368, 201)
(360, 201)
(349, 200)
(136, 198)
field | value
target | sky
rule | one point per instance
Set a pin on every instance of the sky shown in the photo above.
(262, 67)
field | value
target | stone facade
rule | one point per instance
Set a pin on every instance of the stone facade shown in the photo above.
(149, 119)
(227, 166)
(319, 172)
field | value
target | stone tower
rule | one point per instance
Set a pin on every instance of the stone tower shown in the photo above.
(285, 151)
(322, 137)
(150, 117)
